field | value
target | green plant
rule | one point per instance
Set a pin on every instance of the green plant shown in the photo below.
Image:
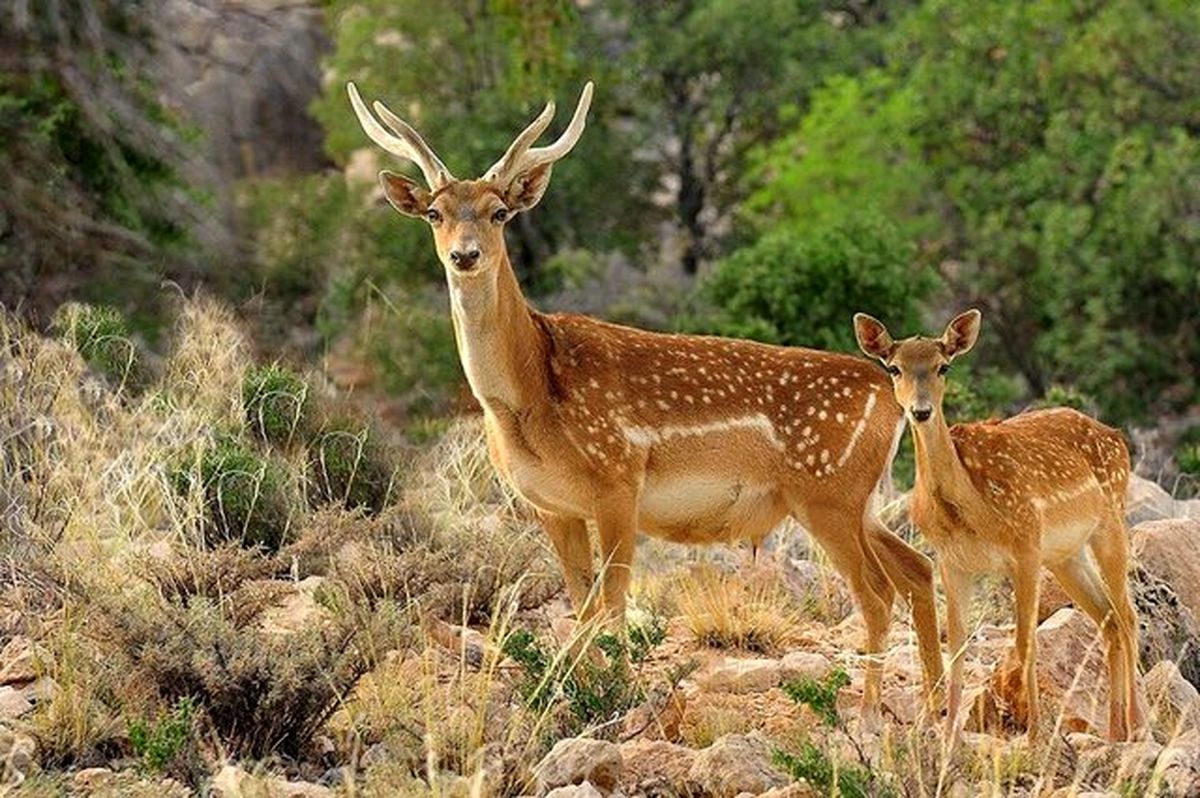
(1187, 451)
(592, 692)
(275, 401)
(242, 491)
(809, 763)
(160, 742)
(1068, 396)
(101, 336)
(346, 465)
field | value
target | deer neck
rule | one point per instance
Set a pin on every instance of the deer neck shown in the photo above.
(499, 343)
(940, 472)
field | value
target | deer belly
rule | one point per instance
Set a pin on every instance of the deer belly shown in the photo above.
(696, 508)
(1064, 540)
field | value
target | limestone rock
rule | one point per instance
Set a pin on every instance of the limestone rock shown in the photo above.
(1179, 765)
(804, 665)
(232, 781)
(1171, 550)
(13, 703)
(578, 759)
(585, 790)
(1173, 701)
(18, 661)
(656, 767)
(731, 675)
(18, 756)
(735, 764)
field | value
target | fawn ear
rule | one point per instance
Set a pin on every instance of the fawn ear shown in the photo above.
(404, 194)
(527, 188)
(961, 333)
(873, 337)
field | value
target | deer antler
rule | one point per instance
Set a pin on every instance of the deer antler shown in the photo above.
(402, 140)
(520, 158)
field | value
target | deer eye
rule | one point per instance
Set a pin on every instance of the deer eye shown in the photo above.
(942, 369)
(433, 216)
(893, 370)
(500, 216)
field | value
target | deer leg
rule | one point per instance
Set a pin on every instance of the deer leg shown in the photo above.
(616, 521)
(958, 587)
(1026, 585)
(843, 538)
(912, 574)
(573, 547)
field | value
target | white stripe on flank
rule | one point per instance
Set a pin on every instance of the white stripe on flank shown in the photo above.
(858, 430)
(647, 436)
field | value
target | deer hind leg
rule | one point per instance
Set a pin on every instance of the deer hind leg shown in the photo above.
(912, 574)
(843, 538)
(1081, 577)
(569, 536)
(1110, 547)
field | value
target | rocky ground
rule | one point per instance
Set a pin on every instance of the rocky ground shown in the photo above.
(389, 637)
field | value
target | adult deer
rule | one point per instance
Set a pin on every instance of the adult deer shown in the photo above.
(694, 439)
(1044, 488)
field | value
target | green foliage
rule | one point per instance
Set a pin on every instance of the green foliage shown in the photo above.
(813, 765)
(1046, 154)
(346, 465)
(1187, 451)
(159, 743)
(243, 493)
(101, 336)
(1067, 396)
(591, 692)
(275, 401)
(801, 287)
(819, 695)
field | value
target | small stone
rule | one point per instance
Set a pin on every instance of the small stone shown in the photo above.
(585, 790)
(18, 661)
(578, 759)
(13, 703)
(740, 676)
(735, 764)
(804, 665)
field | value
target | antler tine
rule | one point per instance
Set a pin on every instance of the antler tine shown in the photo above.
(522, 142)
(531, 158)
(405, 142)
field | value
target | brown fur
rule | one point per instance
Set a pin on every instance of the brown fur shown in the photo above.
(1045, 488)
(694, 439)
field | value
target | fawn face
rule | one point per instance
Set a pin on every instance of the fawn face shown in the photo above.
(918, 365)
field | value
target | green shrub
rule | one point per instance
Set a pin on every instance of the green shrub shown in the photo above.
(591, 692)
(1068, 396)
(1187, 451)
(160, 743)
(347, 465)
(243, 493)
(800, 287)
(275, 401)
(101, 336)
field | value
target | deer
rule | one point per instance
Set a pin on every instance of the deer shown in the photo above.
(694, 439)
(1045, 488)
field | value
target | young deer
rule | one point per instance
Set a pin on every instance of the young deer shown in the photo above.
(1044, 488)
(694, 439)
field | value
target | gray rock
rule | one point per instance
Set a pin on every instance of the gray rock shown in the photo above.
(734, 764)
(579, 759)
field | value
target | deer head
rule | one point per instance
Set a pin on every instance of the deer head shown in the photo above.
(468, 216)
(918, 365)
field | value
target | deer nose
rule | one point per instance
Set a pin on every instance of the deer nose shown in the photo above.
(922, 414)
(464, 258)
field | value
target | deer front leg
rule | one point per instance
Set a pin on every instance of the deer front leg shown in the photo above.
(569, 536)
(616, 521)
(957, 584)
(1026, 585)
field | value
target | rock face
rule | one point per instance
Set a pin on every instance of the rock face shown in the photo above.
(1166, 592)
(1171, 550)
(1173, 701)
(244, 71)
(578, 759)
(733, 765)
(1179, 766)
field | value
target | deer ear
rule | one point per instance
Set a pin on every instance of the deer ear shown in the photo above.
(961, 333)
(404, 194)
(527, 188)
(873, 337)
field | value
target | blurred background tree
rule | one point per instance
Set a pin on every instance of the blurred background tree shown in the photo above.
(757, 168)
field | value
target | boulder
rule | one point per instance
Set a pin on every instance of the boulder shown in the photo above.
(1178, 768)
(1146, 500)
(1100, 761)
(18, 661)
(232, 781)
(1171, 550)
(731, 675)
(656, 767)
(735, 764)
(1167, 629)
(804, 665)
(1051, 597)
(585, 790)
(579, 759)
(18, 756)
(13, 703)
(1172, 701)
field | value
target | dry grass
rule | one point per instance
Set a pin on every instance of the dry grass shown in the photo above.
(752, 613)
